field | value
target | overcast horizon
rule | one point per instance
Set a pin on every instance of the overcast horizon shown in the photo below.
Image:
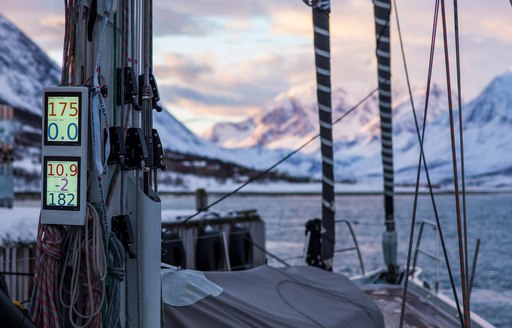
(222, 60)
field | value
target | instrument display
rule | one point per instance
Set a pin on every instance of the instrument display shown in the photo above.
(62, 118)
(61, 184)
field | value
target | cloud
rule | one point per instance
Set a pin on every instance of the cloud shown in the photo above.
(194, 80)
(168, 21)
(179, 67)
(230, 57)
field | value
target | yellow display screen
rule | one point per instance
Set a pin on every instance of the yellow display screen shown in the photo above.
(61, 185)
(62, 118)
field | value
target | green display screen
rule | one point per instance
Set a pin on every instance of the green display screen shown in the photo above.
(62, 118)
(61, 183)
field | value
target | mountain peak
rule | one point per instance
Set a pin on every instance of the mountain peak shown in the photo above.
(493, 103)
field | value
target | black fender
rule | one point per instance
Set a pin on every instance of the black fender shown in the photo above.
(11, 316)
(209, 251)
(241, 252)
(173, 251)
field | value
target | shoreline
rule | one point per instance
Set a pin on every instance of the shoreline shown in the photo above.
(21, 196)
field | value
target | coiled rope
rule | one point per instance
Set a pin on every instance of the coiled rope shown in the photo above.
(116, 272)
(82, 284)
(44, 305)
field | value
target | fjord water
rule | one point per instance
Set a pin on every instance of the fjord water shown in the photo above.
(489, 218)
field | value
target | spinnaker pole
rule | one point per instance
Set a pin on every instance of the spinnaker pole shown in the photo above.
(382, 12)
(321, 11)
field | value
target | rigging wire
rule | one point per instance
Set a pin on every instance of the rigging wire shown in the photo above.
(423, 157)
(422, 138)
(461, 140)
(455, 172)
(263, 173)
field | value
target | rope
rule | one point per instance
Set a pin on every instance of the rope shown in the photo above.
(82, 284)
(273, 166)
(462, 256)
(116, 271)
(98, 106)
(44, 307)
(422, 153)
(461, 139)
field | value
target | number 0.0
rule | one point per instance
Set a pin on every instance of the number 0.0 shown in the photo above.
(56, 128)
(72, 135)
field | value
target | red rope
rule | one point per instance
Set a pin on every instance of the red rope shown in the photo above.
(45, 307)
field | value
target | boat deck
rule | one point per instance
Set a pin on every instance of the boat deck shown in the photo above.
(419, 313)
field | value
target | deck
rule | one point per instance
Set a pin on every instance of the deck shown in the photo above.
(419, 313)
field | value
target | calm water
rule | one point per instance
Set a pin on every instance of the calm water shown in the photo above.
(489, 218)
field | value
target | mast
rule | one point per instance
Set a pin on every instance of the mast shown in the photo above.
(108, 58)
(382, 12)
(321, 11)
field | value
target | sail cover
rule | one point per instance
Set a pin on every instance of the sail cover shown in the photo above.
(382, 9)
(267, 297)
(321, 10)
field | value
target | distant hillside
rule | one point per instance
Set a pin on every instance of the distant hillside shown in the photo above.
(291, 119)
(25, 70)
(237, 150)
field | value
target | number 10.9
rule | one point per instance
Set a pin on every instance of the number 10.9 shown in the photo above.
(59, 170)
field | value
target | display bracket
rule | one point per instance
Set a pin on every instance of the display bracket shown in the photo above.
(64, 155)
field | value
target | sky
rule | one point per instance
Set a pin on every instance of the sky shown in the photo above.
(222, 60)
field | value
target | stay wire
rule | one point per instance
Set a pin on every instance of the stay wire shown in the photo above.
(461, 140)
(261, 174)
(420, 140)
(455, 172)
(416, 193)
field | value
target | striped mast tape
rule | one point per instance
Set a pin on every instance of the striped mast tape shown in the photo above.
(321, 10)
(382, 10)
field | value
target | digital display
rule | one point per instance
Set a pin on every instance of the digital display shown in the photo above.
(61, 187)
(62, 118)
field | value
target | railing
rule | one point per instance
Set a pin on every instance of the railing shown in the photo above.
(17, 267)
(356, 244)
(434, 257)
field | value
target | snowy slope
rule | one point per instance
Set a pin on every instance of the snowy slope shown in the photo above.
(287, 121)
(176, 137)
(24, 69)
(290, 119)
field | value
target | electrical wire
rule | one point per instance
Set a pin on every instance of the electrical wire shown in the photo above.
(422, 152)
(268, 170)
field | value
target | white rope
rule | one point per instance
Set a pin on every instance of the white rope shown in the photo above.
(98, 106)
(85, 278)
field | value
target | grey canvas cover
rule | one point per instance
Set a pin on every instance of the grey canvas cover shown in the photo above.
(270, 297)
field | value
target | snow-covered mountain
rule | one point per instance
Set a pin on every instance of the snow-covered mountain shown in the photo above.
(291, 119)
(25, 70)
(286, 122)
